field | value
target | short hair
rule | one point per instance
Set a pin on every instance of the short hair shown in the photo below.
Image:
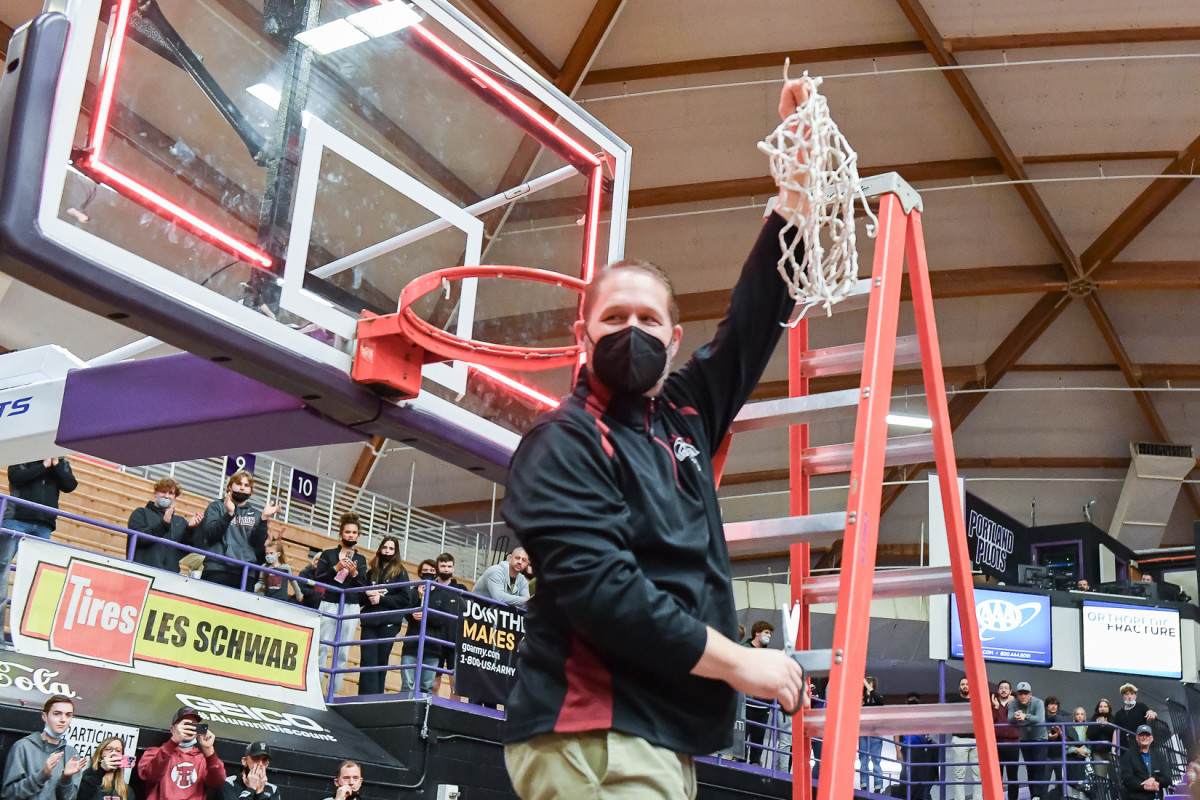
(1051, 700)
(429, 562)
(165, 485)
(54, 700)
(1003, 681)
(515, 549)
(238, 477)
(444, 557)
(653, 270)
(349, 518)
(759, 627)
(1128, 687)
(343, 765)
(273, 543)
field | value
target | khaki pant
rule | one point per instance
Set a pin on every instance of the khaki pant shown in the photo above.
(599, 765)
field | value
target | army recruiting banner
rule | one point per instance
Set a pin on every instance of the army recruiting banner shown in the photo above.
(79, 606)
(488, 635)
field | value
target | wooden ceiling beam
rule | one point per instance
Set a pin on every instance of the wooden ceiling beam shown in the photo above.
(6, 33)
(977, 111)
(1145, 403)
(1142, 211)
(799, 58)
(587, 45)
(366, 460)
(1018, 41)
(1089, 158)
(515, 35)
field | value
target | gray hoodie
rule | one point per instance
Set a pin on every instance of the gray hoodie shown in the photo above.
(25, 772)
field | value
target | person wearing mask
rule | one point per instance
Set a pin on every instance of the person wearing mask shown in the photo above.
(917, 774)
(758, 710)
(310, 593)
(870, 748)
(1008, 748)
(389, 603)
(104, 779)
(1102, 736)
(342, 566)
(233, 527)
(270, 584)
(453, 604)
(348, 783)
(1145, 774)
(1132, 715)
(506, 581)
(435, 626)
(43, 766)
(158, 518)
(251, 783)
(1028, 713)
(962, 756)
(186, 767)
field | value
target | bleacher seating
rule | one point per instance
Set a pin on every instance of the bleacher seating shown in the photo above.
(107, 495)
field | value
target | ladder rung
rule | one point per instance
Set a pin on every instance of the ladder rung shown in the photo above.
(848, 358)
(816, 663)
(796, 410)
(772, 535)
(900, 719)
(858, 297)
(910, 582)
(838, 457)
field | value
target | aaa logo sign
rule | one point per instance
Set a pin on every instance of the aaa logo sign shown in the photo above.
(98, 612)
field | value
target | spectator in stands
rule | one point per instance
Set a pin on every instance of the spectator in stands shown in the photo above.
(386, 567)
(870, 748)
(435, 626)
(251, 783)
(917, 757)
(158, 518)
(453, 604)
(758, 709)
(233, 527)
(1134, 714)
(1192, 776)
(1028, 713)
(506, 581)
(962, 756)
(1144, 771)
(1101, 732)
(104, 779)
(1054, 752)
(348, 782)
(42, 766)
(38, 482)
(310, 593)
(1078, 752)
(1083, 585)
(187, 765)
(271, 585)
(1008, 736)
(345, 567)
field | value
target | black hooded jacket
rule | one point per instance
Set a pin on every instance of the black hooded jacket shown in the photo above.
(613, 497)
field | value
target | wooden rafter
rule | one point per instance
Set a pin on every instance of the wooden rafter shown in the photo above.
(366, 460)
(6, 33)
(514, 34)
(963, 44)
(987, 126)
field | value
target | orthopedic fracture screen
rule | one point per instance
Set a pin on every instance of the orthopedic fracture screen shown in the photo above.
(1138, 640)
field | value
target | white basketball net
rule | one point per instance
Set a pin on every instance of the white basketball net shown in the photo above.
(809, 155)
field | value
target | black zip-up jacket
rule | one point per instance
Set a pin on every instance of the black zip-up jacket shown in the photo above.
(37, 483)
(152, 520)
(613, 498)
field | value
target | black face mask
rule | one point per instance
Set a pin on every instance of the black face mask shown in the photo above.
(349, 545)
(629, 361)
(446, 575)
(240, 497)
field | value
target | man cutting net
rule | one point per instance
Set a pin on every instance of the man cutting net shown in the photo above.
(629, 667)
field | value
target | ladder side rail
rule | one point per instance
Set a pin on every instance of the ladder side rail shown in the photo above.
(947, 469)
(840, 745)
(798, 552)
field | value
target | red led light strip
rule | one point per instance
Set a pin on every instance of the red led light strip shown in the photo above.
(517, 386)
(126, 185)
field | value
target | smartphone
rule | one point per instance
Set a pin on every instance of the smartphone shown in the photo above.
(201, 729)
(126, 762)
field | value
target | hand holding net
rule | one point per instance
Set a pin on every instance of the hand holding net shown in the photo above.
(810, 157)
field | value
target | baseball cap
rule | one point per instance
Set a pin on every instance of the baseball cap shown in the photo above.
(258, 749)
(187, 712)
(1024, 686)
(1145, 729)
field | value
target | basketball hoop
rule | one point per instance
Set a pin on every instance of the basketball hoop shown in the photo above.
(392, 348)
(809, 155)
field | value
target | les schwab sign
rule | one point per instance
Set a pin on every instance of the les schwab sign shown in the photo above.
(96, 609)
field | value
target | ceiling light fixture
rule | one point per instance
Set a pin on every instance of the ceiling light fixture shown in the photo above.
(359, 27)
(910, 421)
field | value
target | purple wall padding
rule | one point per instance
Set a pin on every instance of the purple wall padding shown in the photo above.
(183, 407)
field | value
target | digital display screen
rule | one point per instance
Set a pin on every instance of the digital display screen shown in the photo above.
(1136, 640)
(1013, 627)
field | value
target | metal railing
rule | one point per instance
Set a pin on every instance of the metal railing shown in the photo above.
(421, 534)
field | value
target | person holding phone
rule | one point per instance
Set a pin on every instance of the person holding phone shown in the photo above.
(42, 766)
(345, 567)
(187, 765)
(104, 779)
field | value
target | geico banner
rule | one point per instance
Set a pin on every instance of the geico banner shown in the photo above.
(80, 606)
